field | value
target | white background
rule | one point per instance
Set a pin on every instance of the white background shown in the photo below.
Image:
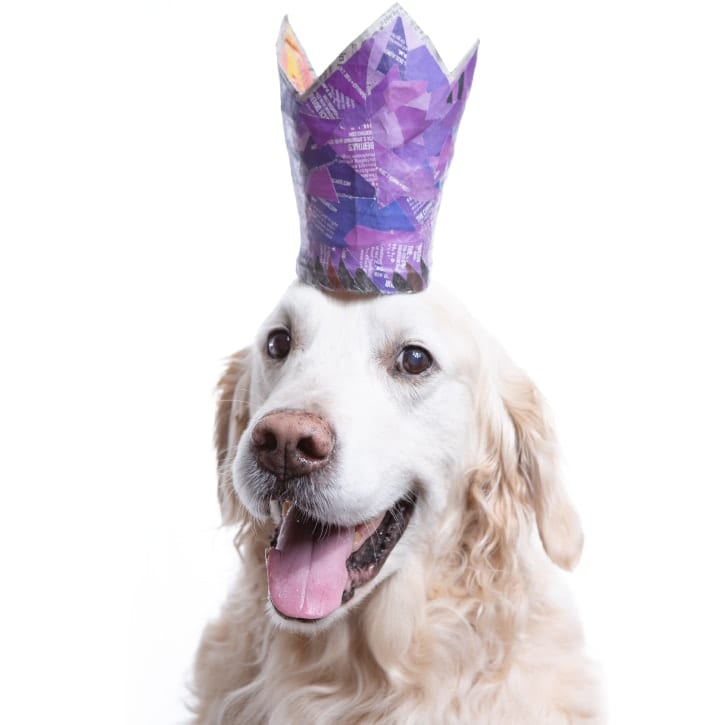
(147, 225)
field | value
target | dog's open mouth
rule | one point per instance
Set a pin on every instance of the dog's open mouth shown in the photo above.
(313, 567)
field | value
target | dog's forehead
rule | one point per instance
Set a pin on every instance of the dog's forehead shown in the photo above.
(429, 315)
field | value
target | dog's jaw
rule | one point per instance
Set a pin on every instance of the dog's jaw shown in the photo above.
(315, 568)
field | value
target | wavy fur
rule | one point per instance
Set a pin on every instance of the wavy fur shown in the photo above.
(476, 628)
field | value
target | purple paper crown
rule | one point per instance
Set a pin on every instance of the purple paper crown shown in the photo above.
(370, 142)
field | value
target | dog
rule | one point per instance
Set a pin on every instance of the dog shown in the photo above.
(395, 481)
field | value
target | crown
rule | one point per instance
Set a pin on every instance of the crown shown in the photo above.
(370, 142)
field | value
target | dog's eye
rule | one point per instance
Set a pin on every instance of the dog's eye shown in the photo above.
(278, 344)
(414, 360)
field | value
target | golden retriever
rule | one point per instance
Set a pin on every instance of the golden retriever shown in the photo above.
(389, 468)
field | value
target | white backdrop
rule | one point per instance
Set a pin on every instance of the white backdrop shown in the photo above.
(147, 225)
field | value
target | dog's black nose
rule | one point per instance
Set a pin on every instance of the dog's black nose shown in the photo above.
(292, 443)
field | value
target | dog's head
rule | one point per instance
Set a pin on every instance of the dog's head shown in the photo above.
(357, 430)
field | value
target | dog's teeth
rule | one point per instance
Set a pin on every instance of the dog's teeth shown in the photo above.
(286, 506)
(364, 530)
(275, 512)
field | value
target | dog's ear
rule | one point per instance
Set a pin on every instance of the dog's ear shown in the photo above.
(518, 473)
(532, 459)
(231, 420)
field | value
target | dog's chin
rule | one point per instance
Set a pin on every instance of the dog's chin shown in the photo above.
(313, 627)
(317, 570)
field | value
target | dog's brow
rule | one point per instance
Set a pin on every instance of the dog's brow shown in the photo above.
(406, 335)
(284, 315)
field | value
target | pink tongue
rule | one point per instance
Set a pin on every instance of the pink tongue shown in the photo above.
(306, 573)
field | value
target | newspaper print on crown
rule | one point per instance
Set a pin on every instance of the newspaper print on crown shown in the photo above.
(370, 142)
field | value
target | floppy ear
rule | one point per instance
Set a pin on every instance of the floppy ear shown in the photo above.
(534, 461)
(231, 420)
(517, 474)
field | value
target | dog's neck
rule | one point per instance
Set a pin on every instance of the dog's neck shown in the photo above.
(429, 612)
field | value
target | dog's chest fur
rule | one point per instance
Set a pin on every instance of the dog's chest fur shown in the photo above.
(390, 663)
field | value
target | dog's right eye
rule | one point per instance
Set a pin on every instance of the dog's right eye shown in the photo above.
(414, 360)
(278, 344)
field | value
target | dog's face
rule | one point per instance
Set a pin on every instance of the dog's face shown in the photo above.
(352, 424)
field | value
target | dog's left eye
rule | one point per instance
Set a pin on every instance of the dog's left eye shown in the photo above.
(414, 360)
(278, 344)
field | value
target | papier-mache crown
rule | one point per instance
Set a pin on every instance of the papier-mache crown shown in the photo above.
(370, 142)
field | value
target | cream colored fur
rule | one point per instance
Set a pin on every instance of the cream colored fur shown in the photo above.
(469, 621)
